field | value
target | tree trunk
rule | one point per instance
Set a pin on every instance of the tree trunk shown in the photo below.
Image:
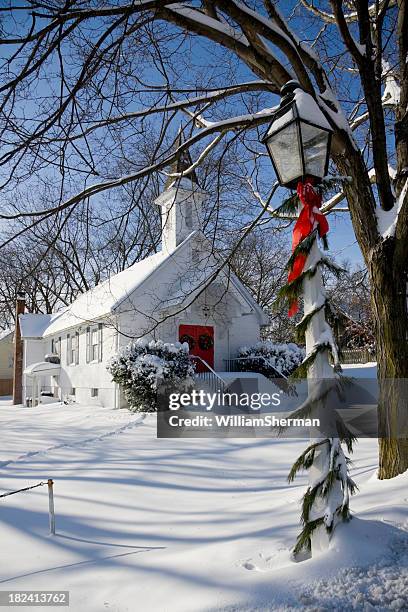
(388, 266)
(389, 306)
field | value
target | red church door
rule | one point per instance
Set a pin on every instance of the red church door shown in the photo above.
(200, 339)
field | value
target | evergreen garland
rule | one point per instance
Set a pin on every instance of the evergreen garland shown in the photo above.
(330, 183)
(304, 461)
(335, 473)
(302, 370)
(309, 406)
(305, 321)
(289, 206)
(302, 248)
(331, 265)
(292, 291)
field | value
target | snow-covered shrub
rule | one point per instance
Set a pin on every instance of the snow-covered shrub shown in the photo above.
(268, 358)
(142, 367)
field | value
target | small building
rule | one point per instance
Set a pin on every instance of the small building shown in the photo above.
(182, 293)
(6, 362)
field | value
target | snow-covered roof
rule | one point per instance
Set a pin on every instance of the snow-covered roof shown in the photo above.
(6, 333)
(196, 283)
(105, 297)
(98, 302)
(42, 366)
(34, 325)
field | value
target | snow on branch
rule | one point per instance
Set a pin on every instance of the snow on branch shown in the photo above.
(236, 39)
(204, 20)
(250, 120)
(390, 97)
(329, 205)
(350, 17)
(273, 212)
(250, 45)
(392, 90)
(199, 159)
(260, 27)
(387, 219)
(326, 98)
(208, 98)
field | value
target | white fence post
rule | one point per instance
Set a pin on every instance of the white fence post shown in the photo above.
(51, 506)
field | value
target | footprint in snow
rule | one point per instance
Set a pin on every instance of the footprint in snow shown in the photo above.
(249, 566)
(262, 562)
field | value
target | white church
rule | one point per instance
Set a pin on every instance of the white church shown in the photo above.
(184, 292)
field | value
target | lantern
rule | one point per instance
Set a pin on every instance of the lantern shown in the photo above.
(299, 138)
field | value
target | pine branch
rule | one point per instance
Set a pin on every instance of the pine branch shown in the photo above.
(345, 435)
(289, 206)
(302, 326)
(304, 461)
(301, 371)
(308, 500)
(332, 266)
(345, 513)
(304, 247)
(352, 487)
(332, 474)
(291, 291)
(328, 482)
(304, 538)
(342, 511)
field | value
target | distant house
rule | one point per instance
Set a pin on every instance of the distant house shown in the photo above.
(181, 293)
(349, 333)
(6, 362)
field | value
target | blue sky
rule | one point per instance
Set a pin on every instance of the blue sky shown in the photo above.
(341, 238)
(342, 242)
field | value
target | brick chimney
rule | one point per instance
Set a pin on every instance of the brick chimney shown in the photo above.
(18, 353)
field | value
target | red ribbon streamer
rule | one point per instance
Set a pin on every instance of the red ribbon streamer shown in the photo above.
(309, 219)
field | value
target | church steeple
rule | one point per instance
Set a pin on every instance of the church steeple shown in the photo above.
(180, 201)
(182, 162)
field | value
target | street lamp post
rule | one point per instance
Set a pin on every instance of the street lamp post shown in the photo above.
(298, 141)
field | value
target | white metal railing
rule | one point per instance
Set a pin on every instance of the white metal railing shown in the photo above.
(210, 376)
(231, 365)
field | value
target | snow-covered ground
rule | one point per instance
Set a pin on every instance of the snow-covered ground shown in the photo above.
(362, 370)
(184, 524)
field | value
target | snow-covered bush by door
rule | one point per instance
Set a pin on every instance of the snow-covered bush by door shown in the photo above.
(142, 367)
(269, 359)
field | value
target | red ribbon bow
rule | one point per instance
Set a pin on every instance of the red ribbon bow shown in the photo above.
(309, 219)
